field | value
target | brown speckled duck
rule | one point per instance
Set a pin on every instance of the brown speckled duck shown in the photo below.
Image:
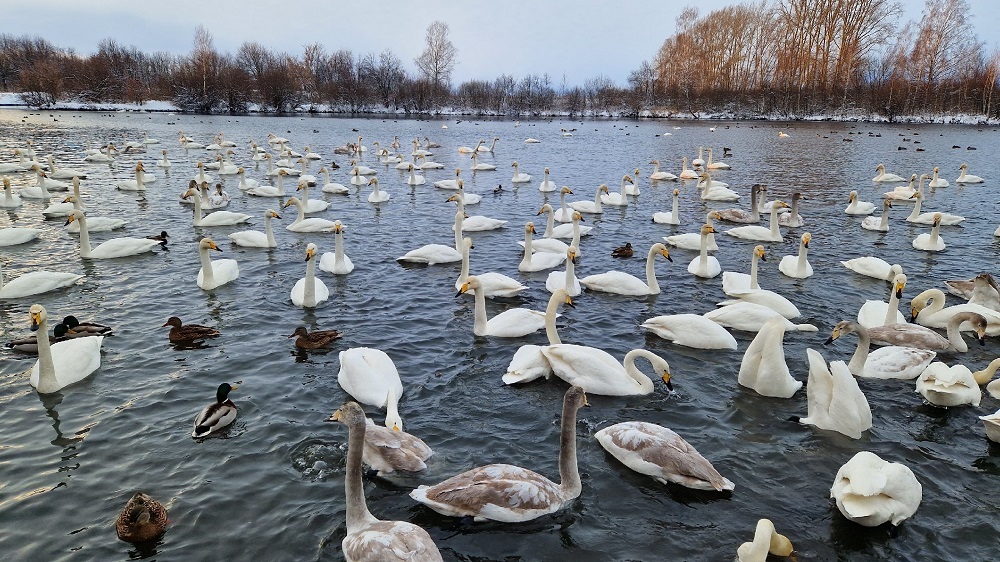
(314, 340)
(142, 519)
(188, 333)
(623, 251)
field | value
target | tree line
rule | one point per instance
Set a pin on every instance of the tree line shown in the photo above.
(780, 57)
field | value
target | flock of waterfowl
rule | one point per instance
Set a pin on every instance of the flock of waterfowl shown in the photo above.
(867, 490)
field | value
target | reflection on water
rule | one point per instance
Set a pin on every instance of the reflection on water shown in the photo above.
(279, 468)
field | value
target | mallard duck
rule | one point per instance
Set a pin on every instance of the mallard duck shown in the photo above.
(188, 333)
(315, 340)
(623, 251)
(388, 450)
(162, 237)
(142, 519)
(217, 415)
(30, 345)
(75, 328)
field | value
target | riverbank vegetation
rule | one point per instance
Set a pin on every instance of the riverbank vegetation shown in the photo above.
(783, 58)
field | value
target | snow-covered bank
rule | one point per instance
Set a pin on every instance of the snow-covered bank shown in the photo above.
(12, 99)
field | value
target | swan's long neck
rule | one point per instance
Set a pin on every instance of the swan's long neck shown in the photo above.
(562, 201)
(269, 232)
(413, 177)
(622, 191)
(576, 234)
(703, 255)
(884, 223)
(570, 273)
(459, 220)
(46, 368)
(492, 146)
(358, 515)
(857, 364)
(197, 210)
(803, 262)
(795, 209)
(549, 224)
(462, 277)
(984, 376)
(338, 253)
(916, 209)
(84, 238)
(961, 176)
(281, 185)
(955, 335)
(8, 194)
(309, 292)
(305, 166)
(753, 271)
(139, 186)
(526, 259)
(326, 176)
(569, 473)
(654, 287)
(675, 210)
(305, 195)
(935, 233)
(892, 309)
(597, 201)
(711, 235)
(645, 383)
(479, 320)
(207, 273)
(775, 233)
(550, 321)
(302, 212)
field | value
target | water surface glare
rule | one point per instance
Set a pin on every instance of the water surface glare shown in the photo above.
(272, 484)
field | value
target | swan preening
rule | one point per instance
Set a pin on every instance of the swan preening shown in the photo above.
(871, 491)
(836, 403)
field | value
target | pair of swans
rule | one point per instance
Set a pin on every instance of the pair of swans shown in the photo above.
(541, 260)
(214, 273)
(622, 283)
(256, 238)
(35, 282)
(369, 538)
(492, 284)
(386, 450)
(890, 362)
(928, 310)
(64, 363)
(566, 231)
(871, 491)
(215, 218)
(511, 494)
(113, 248)
(741, 287)
(715, 190)
(835, 401)
(303, 224)
(308, 292)
(754, 232)
(692, 240)
(763, 367)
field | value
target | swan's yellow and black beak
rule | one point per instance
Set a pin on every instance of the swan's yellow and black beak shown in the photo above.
(666, 379)
(463, 290)
(805, 240)
(214, 247)
(334, 417)
(36, 321)
(666, 253)
(899, 290)
(585, 401)
(569, 302)
(531, 228)
(338, 228)
(914, 312)
(70, 219)
(310, 253)
(68, 199)
(833, 335)
(395, 427)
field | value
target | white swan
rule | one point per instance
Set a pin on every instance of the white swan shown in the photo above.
(871, 491)
(763, 367)
(481, 148)
(536, 261)
(63, 173)
(547, 184)
(835, 401)
(687, 174)
(475, 223)
(413, 178)
(270, 190)
(931, 242)
(216, 218)
(438, 253)
(94, 224)
(370, 539)
(565, 280)
(881, 313)
(468, 198)
(310, 205)
(330, 186)
(481, 167)
(619, 198)
(113, 248)
(798, 267)
(12, 236)
(370, 377)
(881, 222)
(656, 451)
(890, 362)
(710, 165)
(705, 266)
(692, 240)
(902, 192)
(594, 206)
(449, 184)
(493, 284)
(163, 162)
(699, 161)
(309, 291)
(518, 176)
(35, 282)
(64, 363)
(528, 362)
(755, 232)
(738, 282)
(564, 213)
(947, 219)
(946, 386)
(201, 177)
(883, 177)
(965, 177)
(10, 200)
(598, 372)
(302, 224)
(657, 175)
(622, 283)
(214, 273)
(256, 238)
(765, 541)
(673, 217)
(750, 317)
(376, 196)
(512, 323)
(337, 262)
(870, 266)
(38, 191)
(691, 330)
(928, 309)
(511, 494)
(632, 188)
(937, 181)
(857, 207)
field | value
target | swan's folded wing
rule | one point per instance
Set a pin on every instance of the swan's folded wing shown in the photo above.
(848, 403)
(663, 447)
(501, 485)
(387, 541)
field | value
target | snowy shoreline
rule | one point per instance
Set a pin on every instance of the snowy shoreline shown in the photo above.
(12, 100)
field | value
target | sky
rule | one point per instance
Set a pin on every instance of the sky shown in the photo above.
(571, 39)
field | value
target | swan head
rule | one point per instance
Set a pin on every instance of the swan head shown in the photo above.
(853, 197)
(192, 190)
(68, 199)
(781, 205)
(759, 252)
(222, 393)
(74, 216)
(662, 250)
(677, 192)
(529, 228)
(338, 227)
(880, 168)
(637, 172)
(200, 165)
(374, 181)
(978, 322)
(546, 170)
(472, 283)
(806, 238)
(917, 194)
(349, 414)
(657, 162)
(963, 167)
(38, 316)
(565, 190)
(571, 254)
(514, 165)
(576, 398)
(467, 242)
(6, 183)
(604, 188)
(707, 229)
(303, 186)
(546, 208)
(311, 250)
(887, 204)
(843, 327)
(292, 201)
(208, 244)
(627, 179)
(937, 219)
(577, 217)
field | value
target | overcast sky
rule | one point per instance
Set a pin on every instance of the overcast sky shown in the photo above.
(577, 39)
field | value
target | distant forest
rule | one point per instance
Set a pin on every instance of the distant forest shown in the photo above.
(772, 58)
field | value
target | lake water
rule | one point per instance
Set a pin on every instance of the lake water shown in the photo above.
(272, 485)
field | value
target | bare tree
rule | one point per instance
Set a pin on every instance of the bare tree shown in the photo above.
(438, 60)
